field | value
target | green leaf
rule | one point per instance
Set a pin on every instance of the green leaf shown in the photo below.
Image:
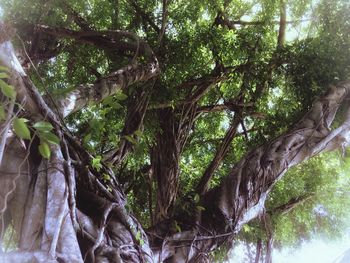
(106, 177)
(44, 150)
(138, 133)
(7, 90)
(2, 113)
(4, 75)
(2, 68)
(121, 96)
(196, 198)
(200, 208)
(49, 137)
(116, 106)
(96, 163)
(43, 126)
(138, 237)
(130, 139)
(61, 92)
(246, 228)
(87, 138)
(177, 227)
(21, 129)
(108, 101)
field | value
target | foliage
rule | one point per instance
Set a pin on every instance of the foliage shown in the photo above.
(280, 82)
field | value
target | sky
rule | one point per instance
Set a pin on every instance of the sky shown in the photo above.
(320, 251)
(316, 251)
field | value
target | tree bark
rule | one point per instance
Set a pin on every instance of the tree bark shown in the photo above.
(258, 251)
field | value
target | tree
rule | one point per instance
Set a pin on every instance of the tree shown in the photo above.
(308, 202)
(149, 131)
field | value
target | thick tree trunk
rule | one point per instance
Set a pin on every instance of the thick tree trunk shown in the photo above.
(165, 156)
(242, 194)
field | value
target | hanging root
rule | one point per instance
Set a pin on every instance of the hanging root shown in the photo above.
(101, 231)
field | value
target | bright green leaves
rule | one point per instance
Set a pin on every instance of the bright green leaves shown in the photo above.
(44, 132)
(49, 137)
(130, 139)
(138, 133)
(96, 163)
(139, 238)
(6, 89)
(106, 177)
(21, 128)
(4, 75)
(113, 101)
(121, 96)
(2, 68)
(133, 138)
(44, 150)
(43, 126)
(2, 113)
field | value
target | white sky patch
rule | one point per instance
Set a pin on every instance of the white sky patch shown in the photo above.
(317, 250)
(320, 251)
(299, 29)
(257, 8)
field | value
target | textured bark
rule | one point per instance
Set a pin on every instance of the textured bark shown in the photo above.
(105, 87)
(37, 197)
(134, 120)
(282, 28)
(258, 251)
(242, 194)
(165, 156)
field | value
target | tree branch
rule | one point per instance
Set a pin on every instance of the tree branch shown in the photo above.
(221, 152)
(146, 17)
(291, 204)
(110, 40)
(282, 23)
(105, 87)
(241, 195)
(221, 19)
(164, 22)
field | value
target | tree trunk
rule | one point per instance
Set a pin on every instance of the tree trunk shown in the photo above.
(258, 251)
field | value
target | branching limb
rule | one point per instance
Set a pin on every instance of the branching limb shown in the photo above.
(222, 20)
(221, 152)
(290, 205)
(282, 28)
(109, 85)
(137, 108)
(164, 22)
